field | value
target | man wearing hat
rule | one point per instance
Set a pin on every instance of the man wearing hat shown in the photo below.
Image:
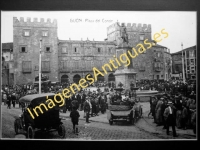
(102, 101)
(169, 115)
(158, 112)
(87, 107)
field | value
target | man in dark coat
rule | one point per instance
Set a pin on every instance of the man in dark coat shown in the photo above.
(74, 115)
(102, 102)
(163, 107)
(13, 96)
(83, 96)
(87, 107)
(169, 115)
(9, 100)
(67, 101)
(78, 97)
(93, 105)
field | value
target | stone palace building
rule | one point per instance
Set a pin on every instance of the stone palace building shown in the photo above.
(70, 60)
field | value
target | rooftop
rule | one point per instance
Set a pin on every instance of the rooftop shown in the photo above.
(187, 49)
(7, 46)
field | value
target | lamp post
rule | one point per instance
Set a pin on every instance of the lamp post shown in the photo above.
(40, 66)
(183, 70)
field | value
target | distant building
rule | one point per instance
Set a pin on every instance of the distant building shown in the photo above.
(71, 60)
(7, 64)
(189, 56)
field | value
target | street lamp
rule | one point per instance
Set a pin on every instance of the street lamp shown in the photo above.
(40, 66)
(183, 70)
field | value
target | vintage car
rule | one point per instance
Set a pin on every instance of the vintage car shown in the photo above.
(125, 112)
(46, 121)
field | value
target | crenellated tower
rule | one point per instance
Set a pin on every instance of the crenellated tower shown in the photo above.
(26, 46)
(136, 32)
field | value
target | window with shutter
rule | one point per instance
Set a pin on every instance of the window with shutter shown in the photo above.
(23, 49)
(99, 50)
(48, 49)
(68, 65)
(89, 51)
(142, 37)
(88, 64)
(76, 65)
(76, 50)
(44, 33)
(45, 66)
(61, 65)
(64, 50)
(26, 32)
(83, 64)
(26, 66)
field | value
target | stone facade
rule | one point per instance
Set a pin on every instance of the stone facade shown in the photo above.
(70, 60)
(150, 64)
(7, 64)
(77, 58)
(26, 45)
(190, 63)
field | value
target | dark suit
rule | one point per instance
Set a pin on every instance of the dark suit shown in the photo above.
(170, 119)
(86, 108)
(82, 100)
(79, 101)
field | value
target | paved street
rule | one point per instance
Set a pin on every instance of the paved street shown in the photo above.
(98, 129)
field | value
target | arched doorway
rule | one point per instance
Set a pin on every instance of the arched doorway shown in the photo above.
(100, 78)
(111, 77)
(76, 78)
(64, 79)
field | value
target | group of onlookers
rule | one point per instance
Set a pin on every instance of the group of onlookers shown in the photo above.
(184, 110)
(172, 86)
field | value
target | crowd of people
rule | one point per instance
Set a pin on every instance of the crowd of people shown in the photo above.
(176, 95)
(184, 110)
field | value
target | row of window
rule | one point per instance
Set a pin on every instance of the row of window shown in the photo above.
(158, 54)
(99, 50)
(27, 66)
(65, 65)
(24, 49)
(27, 32)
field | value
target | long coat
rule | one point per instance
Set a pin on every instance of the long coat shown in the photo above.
(158, 112)
(153, 107)
(86, 106)
(170, 120)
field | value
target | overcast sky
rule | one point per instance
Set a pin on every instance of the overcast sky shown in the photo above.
(181, 26)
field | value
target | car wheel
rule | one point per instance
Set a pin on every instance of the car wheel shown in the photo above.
(110, 122)
(17, 126)
(30, 132)
(61, 131)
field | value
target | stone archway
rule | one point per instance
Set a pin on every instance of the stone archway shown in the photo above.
(111, 77)
(76, 78)
(100, 78)
(64, 79)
